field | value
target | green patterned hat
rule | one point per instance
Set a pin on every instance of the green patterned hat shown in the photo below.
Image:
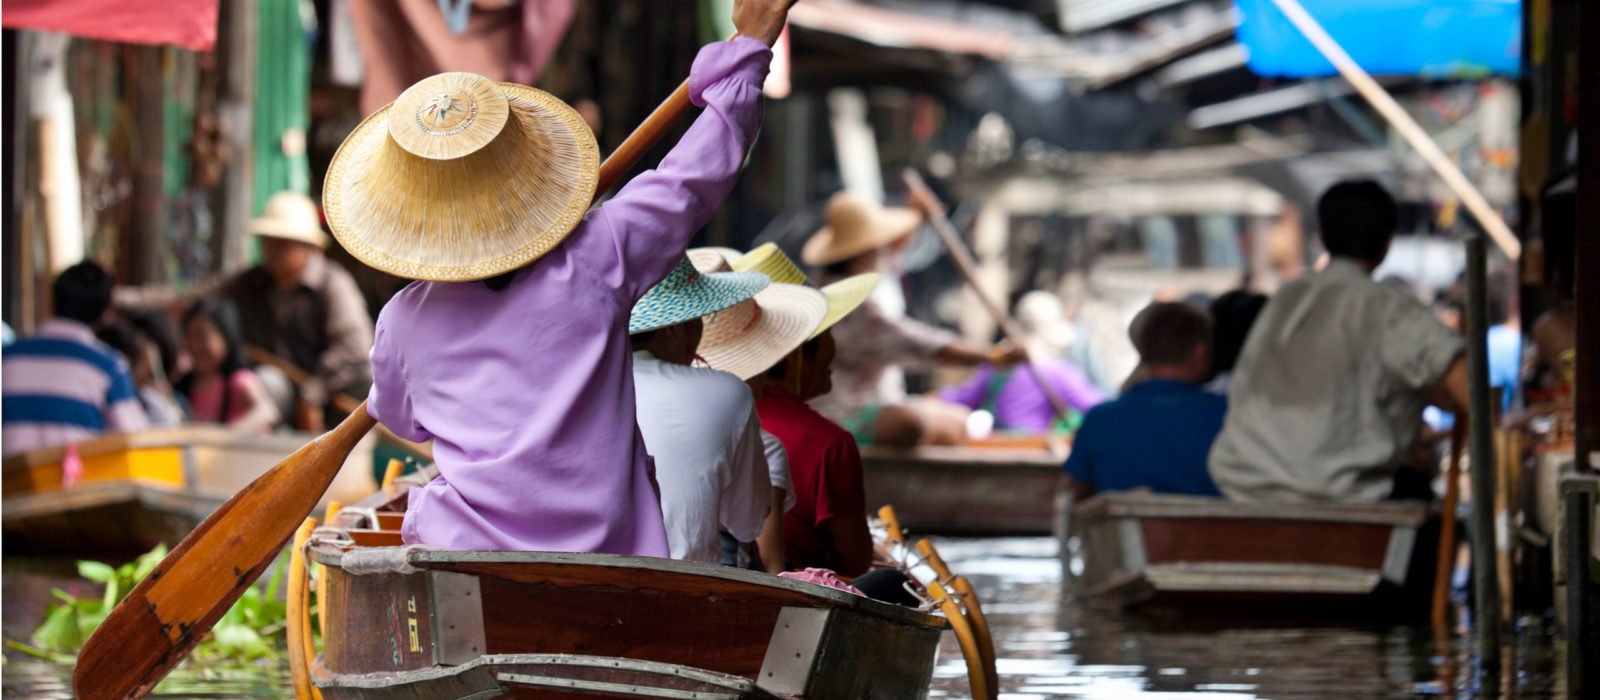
(687, 294)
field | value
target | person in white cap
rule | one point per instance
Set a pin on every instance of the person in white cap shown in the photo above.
(296, 305)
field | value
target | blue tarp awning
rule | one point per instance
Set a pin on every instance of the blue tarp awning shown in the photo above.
(1433, 38)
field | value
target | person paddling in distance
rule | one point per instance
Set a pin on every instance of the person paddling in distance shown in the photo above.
(510, 351)
(876, 345)
(699, 424)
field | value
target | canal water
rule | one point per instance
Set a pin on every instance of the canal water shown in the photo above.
(1049, 646)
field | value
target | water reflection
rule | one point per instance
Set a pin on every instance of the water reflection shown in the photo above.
(1051, 646)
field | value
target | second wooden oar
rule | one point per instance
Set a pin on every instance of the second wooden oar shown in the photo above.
(958, 251)
(173, 608)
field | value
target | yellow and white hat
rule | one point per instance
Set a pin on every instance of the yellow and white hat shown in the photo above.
(750, 337)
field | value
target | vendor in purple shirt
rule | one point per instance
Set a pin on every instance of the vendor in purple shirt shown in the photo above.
(511, 350)
(1013, 395)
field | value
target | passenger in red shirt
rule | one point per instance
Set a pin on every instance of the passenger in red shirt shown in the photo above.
(827, 527)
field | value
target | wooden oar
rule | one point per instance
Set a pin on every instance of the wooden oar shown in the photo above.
(964, 262)
(173, 608)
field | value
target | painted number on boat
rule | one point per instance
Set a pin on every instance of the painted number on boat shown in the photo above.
(411, 623)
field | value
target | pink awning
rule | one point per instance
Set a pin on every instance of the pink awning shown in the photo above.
(190, 24)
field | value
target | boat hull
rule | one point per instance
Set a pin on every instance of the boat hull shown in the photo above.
(462, 624)
(1132, 549)
(965, 491)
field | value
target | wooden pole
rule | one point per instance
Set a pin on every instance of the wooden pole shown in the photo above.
(1485, 579)
(1402, 122)
(964, 262)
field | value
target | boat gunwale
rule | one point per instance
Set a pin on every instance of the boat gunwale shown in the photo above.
(329, 554)
(163, 497)
(189, 436)
(956, 455)
(1168, 506)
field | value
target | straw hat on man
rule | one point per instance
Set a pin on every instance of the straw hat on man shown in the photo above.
(856, 226)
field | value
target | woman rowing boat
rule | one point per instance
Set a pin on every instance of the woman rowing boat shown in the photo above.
(510, 351)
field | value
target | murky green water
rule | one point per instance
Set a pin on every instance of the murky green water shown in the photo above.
(1049, 647)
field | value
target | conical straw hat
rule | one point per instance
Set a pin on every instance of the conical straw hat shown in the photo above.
(843, 296)
(688, 294)
(750, 337)
(855, 226)
(461, 178)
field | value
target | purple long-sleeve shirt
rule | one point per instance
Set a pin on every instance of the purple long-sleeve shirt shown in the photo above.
(1019, 403)
(528, 392)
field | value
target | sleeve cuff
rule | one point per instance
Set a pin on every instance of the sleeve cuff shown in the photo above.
(740, 58)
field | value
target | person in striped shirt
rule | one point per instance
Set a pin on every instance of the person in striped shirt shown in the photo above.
(62, 385)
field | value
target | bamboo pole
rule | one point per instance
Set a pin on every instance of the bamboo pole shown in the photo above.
(1402, 122)
(964, 262)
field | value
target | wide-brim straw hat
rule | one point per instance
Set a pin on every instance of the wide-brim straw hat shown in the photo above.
(290, 216)
(750, 337)
(687, 294)
(461, 178)
(843, 296)
(855, 226)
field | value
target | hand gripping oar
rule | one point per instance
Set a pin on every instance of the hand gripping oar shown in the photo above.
(168, 613)
(958, 251)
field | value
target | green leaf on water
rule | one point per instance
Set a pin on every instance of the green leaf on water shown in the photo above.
(59, 631)
(95, 571)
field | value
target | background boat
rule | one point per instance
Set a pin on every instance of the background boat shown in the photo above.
(1140, 548)
(965, 490)
(138, 490)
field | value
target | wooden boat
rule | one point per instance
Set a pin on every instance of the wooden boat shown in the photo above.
(967, 490)
(1134, 548)
(138, 490)
(407, 623)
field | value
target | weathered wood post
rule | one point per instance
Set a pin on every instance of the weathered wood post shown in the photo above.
(1486, 585)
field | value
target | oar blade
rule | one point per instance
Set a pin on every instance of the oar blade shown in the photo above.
(168, 613)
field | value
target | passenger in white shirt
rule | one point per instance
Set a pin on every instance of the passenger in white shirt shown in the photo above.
(699, 425)
(1327, 396)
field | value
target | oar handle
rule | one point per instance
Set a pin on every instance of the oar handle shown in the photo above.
(965, 263)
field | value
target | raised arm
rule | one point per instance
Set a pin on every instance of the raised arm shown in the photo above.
(651, 220)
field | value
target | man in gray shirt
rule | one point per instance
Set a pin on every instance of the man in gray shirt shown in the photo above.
(1327, 397)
